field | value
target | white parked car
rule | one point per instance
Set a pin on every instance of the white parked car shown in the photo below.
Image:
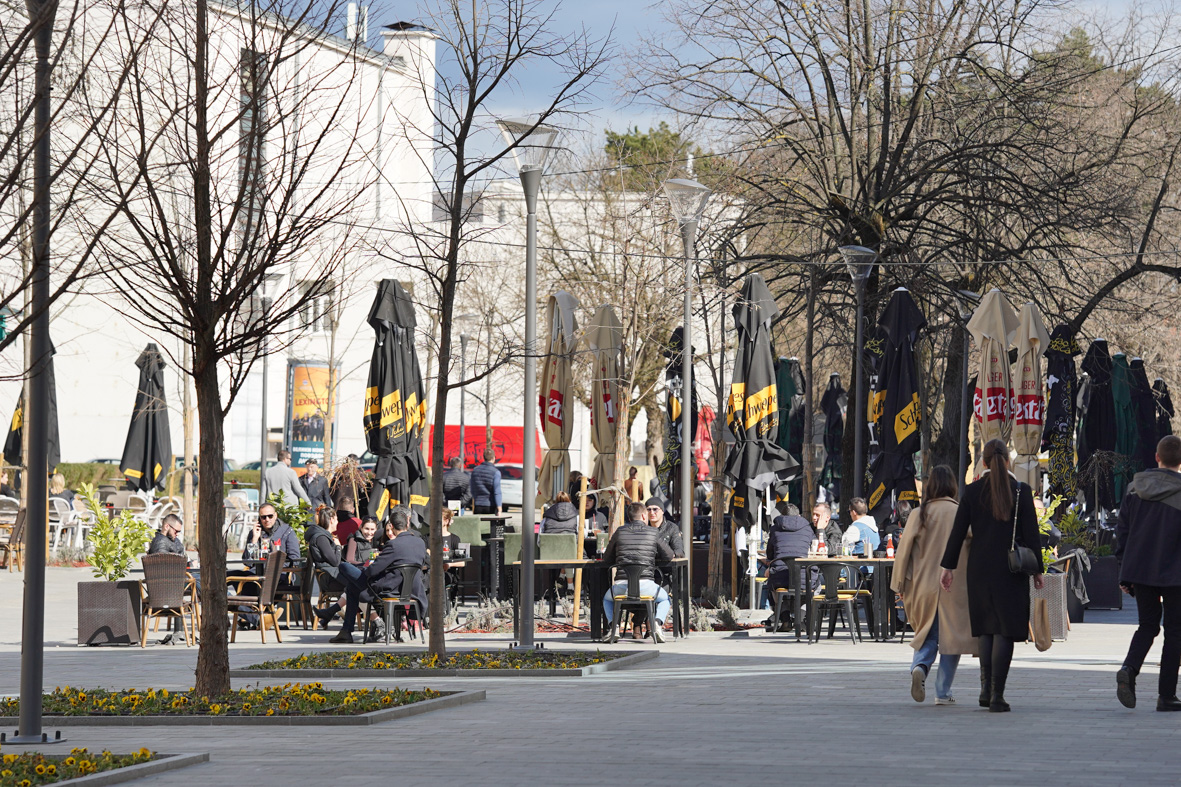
(510, 485)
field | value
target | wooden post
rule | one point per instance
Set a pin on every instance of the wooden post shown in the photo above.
(579, 547)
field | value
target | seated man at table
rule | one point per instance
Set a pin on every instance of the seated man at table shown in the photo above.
(822, 522)
(789, 536)
(167, 538)
(383, 578)
(270, 529)
(862, 534)
(668, 530)
(637, 543)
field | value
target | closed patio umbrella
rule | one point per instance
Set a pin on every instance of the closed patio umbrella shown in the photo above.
(1144, 409)
(789, 379)
(1125, 423)
(668, 474)
(752, 415)
(394, 408)
(1097, 424)
(557, 420)
(1061, 410)
(834, 405)
(12, 444)
(1164, 408)
(147, 454)
(1032, 341)
(896, 393)
(606, 342)
(992, 326)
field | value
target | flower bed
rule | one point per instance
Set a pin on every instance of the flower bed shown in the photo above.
(420, 660)
(31, 768)
(292, 699)
(418, 664)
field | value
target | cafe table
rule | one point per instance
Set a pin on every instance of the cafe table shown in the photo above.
(881, 596)
(596, 574)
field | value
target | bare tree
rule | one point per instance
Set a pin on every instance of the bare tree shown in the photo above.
(485, 53)
(238, 163)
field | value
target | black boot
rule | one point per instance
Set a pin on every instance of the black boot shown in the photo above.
(1168, 703)
(997, 703)
(1125, 687)
(985, 687)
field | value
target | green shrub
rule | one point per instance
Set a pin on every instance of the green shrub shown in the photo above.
(94, 473)
(117, 542)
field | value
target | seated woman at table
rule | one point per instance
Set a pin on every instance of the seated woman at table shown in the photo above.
(325, 554)
(57, 488)
(789, 536)
(359, 545)
(560, 517)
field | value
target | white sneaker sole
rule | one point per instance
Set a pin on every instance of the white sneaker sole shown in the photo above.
(918, 684)
(945, 700)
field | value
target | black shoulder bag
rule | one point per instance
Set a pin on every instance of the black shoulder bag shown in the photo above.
(1022, 560)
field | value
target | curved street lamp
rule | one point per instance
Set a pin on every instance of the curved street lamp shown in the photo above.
(859, 260)
(687, 198)
(531, 144)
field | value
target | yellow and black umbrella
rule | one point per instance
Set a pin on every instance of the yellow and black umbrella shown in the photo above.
(147, 453)
(12, 444)
(395, 412)
(752, 414)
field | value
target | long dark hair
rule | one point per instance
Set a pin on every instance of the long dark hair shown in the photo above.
(940, 483)
(1000, 489)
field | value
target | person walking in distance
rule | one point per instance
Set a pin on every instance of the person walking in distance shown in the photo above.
(940, 620)
(998, 510)
(1149, 550)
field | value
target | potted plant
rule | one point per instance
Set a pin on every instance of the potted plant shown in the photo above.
(109, 609)
(1102, 580)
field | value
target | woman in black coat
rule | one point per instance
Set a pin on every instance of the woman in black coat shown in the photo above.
(998, 600)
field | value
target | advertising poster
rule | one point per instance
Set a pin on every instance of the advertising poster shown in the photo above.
(307, 411)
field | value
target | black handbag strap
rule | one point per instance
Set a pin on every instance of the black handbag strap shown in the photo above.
(1016, 508)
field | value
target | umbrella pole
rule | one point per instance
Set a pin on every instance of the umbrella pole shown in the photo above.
(733, 559)
(579, 546)
(752, 554)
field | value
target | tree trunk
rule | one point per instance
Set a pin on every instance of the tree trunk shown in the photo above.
(717, 521)
(809, 497)
(190, 512)
(330, 416)
(213, 656)
(487, 401)
(622, 459)
(654, 436)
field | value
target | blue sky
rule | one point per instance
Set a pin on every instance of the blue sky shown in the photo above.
(633, 21)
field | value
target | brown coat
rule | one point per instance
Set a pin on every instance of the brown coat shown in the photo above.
(916, 577)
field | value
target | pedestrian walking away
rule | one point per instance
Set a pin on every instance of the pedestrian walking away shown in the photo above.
(1148, 546)
(998, 511)
(940, 620)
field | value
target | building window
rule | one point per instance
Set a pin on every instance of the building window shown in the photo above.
(315, 313)
(252, 75)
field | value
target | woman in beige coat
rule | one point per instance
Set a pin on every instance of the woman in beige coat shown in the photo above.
(940, 620)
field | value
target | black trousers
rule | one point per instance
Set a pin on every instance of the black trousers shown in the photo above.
(485, 509)
(1152, 603)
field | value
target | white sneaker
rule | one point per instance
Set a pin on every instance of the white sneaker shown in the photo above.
(948, 700)
(918, 684)
(658, 631)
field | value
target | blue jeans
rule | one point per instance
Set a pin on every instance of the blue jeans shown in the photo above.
(350, 576)
(647, 588)
(948, 663)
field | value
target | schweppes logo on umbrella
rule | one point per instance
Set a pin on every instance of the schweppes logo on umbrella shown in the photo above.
(907, 420)
(760, 405)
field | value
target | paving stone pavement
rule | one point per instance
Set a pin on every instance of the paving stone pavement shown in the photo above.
(714, 708)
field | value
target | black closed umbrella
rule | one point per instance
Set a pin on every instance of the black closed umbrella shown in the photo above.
(1144, 412)
(834, 405)
(752, 417)
(148, 450)
(1097, 430)
(394, 408)
(896, 405)
(789, 380)
(1058, 430)
(1164, 408)
(668, 474)
(12, 444)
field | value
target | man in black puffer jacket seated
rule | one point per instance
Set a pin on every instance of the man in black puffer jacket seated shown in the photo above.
(790, 536)
(638, 543)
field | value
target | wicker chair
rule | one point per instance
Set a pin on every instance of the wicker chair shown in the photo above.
(263, 604)
(14, 545)
(164, 594)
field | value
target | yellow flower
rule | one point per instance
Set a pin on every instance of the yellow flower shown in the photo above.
(24, 783)
(245, 706)
(9, 759)
(270, 711)
(70, 761)
(51, 769)
(215, 709)
(7, 774)
(40, 768)
(145, 752)
(164, 693)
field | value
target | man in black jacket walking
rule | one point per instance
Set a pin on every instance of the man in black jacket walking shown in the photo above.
(638, 543)
(1149, 549)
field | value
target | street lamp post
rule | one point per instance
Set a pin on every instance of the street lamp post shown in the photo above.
(531, 144)
(687, 198)
(263, 447)
(859, 261)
